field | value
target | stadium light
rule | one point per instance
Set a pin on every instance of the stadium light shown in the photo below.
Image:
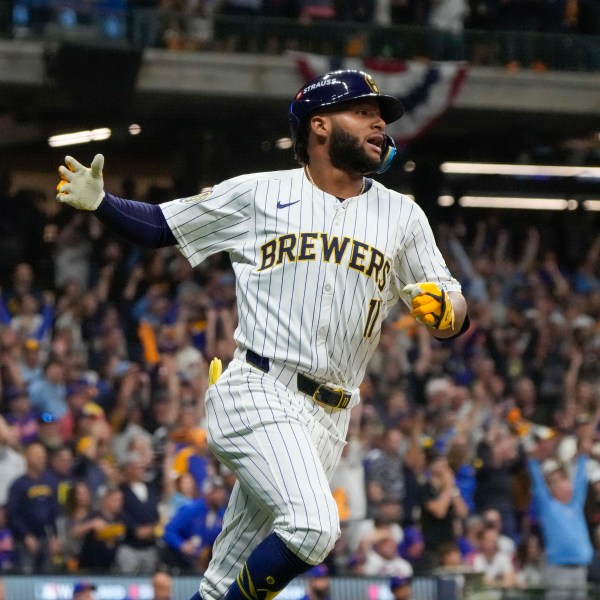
(515, 203)
(593, 205)
(284, 143)
(446, 200)
(468, 168)
(79, 137)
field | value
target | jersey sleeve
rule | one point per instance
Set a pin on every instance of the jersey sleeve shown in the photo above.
(420, 258)
(215, 220)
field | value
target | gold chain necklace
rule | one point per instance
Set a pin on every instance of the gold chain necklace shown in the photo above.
(309, 177)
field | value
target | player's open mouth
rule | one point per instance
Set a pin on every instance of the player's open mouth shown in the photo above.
(375, 142)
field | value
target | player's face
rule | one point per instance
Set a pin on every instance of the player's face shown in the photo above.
(357, 138)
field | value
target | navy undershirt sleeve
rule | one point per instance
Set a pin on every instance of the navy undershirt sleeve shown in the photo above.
(140, 223)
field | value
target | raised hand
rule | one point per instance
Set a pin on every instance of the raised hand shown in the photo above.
(79, 186)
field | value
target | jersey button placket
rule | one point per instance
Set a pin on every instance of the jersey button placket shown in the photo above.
(339, 215)
(336, 231)
(326, 304)
(336, 221)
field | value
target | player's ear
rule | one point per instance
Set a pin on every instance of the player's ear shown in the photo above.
(320, 125)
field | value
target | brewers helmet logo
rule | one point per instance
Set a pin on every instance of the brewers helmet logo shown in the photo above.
(371, 83)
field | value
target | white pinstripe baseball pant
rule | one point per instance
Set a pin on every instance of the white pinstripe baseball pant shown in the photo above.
(283, 448)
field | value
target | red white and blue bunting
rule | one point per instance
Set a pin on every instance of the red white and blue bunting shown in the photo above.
(427, 89)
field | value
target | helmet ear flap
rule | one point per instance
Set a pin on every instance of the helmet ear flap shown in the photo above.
(388, 153)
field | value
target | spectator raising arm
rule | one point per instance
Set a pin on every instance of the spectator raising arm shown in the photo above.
(560, 506)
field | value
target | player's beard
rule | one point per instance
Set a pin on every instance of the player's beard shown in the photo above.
(347, 154)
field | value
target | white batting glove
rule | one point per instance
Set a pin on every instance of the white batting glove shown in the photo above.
(79, 186)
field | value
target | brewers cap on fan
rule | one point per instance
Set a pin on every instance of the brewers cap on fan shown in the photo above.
(82, 586)
(396, 581)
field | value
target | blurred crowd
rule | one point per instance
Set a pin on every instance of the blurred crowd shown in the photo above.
(532, 15)
(513, 33)
(458, 457)
(504, 32)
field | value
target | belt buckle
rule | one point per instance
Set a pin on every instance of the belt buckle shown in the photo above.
(342, 401)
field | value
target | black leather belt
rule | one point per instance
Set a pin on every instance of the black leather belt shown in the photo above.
(321, 393)
(258, 361)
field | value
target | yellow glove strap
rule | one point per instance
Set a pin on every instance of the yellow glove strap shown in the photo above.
(430, 305)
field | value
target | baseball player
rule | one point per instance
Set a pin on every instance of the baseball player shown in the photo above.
(320, 254)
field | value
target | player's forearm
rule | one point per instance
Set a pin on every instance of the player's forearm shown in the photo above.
(140, 223)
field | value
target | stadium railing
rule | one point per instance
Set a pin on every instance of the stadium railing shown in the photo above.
(182, 31)
(118, 587)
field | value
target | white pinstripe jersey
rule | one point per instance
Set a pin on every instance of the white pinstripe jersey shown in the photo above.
(315, 277)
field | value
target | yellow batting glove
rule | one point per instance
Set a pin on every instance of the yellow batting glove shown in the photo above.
(214, 370)
(430, 305)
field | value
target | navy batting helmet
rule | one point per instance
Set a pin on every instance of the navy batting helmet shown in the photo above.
(338, 87)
